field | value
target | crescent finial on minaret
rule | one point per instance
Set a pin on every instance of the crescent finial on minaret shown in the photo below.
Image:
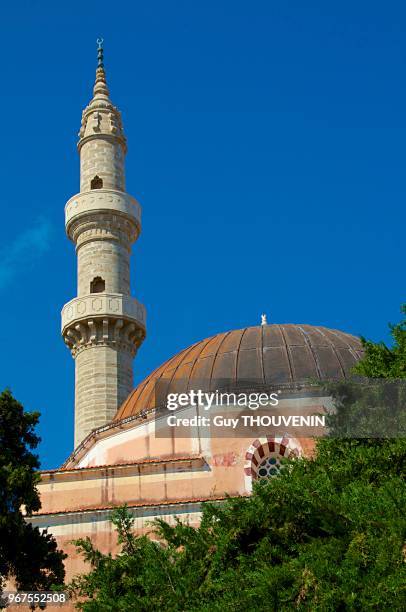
(100, 88)
(100, 52)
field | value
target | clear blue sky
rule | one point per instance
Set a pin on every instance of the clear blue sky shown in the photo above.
(266, 146)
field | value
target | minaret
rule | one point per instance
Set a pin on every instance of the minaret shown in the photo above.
(104, 325)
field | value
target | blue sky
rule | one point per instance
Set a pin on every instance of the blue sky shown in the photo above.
(266, 146)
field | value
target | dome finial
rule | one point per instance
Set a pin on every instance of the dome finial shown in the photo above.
(263, 319)
(100, 51)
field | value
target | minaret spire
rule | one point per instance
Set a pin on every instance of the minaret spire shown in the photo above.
(101, 118)
(100, 90)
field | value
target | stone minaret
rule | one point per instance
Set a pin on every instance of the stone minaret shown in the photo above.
(104, 325)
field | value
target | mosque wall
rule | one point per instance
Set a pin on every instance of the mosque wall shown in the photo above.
(96, 525)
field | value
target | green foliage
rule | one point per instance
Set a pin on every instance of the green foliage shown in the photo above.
(381, 361)
(29, 557)
(368, 408)
(329, 533)
(374, 405)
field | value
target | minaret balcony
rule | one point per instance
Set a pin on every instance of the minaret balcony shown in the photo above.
(102, 305)
(102, 201)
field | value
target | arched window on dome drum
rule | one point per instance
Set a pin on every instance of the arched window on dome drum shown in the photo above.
(96, 183)
(271, 466)
(264, 458)
(98, 285)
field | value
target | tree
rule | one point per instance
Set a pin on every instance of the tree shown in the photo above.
(381, 361)
(329, 533)
(27, 556)
(371, 407)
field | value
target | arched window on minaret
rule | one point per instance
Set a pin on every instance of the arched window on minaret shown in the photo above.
(96, 183)
(98, 285)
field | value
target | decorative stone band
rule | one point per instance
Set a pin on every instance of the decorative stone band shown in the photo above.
(101, 305)
(102, 200)
(114, 135)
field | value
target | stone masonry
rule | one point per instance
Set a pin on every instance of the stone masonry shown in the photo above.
(104, 325)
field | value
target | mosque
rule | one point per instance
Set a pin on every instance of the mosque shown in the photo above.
(119, 456)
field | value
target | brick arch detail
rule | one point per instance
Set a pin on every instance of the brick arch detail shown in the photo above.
(261, 448)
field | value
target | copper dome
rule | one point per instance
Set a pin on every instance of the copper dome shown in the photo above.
(273, 354)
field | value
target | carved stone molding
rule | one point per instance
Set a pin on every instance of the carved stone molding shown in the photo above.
(105, 119)
(120, 334)
(103, 225)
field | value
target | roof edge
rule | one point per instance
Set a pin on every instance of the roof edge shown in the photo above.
(130, 505)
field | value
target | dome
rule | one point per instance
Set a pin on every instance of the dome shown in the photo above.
(272, 354)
